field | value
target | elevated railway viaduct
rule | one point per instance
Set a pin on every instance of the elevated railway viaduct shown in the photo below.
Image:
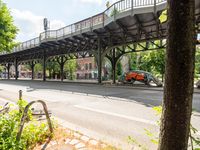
(126, 26)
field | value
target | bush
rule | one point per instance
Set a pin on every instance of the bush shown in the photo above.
(33, 133)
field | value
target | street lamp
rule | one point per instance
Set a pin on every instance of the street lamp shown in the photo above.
(46, 24)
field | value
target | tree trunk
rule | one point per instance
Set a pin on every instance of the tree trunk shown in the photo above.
(179, 77)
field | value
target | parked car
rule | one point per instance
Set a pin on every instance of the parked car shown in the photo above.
(141, 76)
(198, 84)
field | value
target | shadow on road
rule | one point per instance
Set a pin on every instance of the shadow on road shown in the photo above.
(147, 97)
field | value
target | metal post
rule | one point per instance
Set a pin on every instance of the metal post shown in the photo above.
(115, 12)
(99, 61)
(32, 70)
(44, 66)
(113, 66)
(154, 6)
(16, 69)
(62, 69)
(8, 69)
(20, 94)
(24, 117)
(132, 6)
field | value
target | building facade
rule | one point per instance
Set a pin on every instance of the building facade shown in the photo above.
(86, 68)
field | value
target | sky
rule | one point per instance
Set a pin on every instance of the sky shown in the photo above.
(28, 14)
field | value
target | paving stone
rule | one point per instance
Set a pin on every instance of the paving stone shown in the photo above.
(103, 145)
(85, 138)
(77, 135)
(44, 146)
(80, 145)
(68, 131)
(74, 141)
(67, 141)
(53, 143)
(83, 148)
(93, 142)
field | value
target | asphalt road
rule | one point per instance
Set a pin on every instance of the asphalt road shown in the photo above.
(105, 112)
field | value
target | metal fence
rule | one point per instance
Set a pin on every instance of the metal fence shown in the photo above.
(89, 23)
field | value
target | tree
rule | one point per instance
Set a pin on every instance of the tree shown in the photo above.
(154, 62)
(119, 69)
(8, 30)
(132, 61)
(151, 61)
(53, 68)
(179, 77)
(1, 68)
(70, 68)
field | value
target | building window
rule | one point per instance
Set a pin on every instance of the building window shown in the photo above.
(86, 76)
(90, 66)
(77, 76)
(79, 67)
(86, 66)
(90, 76)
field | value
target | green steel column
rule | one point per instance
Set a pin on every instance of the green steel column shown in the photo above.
(62, 69)
(113, 66)
(44, 65)
(16, 69)
(99, 61)
(32, 70)
(8, 69)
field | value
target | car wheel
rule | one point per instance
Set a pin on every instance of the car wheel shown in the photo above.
(132, 81)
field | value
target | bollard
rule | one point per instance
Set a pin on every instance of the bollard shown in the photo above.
(20, 94)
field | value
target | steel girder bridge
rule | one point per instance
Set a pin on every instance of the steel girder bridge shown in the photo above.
(126, 26)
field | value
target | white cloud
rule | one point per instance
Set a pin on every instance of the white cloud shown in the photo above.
(31, 25)
(92, 1)
(99, 2)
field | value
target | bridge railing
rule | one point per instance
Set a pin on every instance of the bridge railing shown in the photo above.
(27, 45)
(89, 23)
(68, 30)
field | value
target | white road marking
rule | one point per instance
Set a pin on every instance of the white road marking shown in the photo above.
(117, 115)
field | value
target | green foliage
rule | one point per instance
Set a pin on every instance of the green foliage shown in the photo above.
(119, 68)
(8, 30)
(107, 4)
(158, 110)
(33, 132)
(22, 104)
(195, 140)
(151, 61)
(163, 16)
(114, 12)
(154, 62)
(53, 68)
(133, 61)
(70, 68)
(38, 67)
(131, 140)
(154, 139)
(1, 68)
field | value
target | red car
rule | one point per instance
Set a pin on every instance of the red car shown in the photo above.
(141, 76)
(134, 76)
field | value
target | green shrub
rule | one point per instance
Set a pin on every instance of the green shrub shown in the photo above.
(34, 132)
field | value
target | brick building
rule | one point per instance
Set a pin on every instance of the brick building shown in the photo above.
(86, 68)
